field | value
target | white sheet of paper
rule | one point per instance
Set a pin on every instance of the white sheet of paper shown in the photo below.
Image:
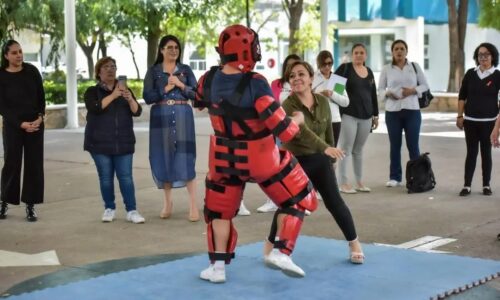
(337, 84)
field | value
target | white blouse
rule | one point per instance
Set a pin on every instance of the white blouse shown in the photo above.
(393, 79)
(319, 84)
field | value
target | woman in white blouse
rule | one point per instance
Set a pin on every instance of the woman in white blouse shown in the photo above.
(398, 88)
(324, 63)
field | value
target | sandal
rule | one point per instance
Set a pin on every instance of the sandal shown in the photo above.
(357, 257)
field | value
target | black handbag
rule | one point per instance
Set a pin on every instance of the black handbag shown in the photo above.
(426, 97)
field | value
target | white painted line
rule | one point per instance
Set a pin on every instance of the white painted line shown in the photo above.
(423, 244)
(435, 244)
(16, 259)
(418, 242)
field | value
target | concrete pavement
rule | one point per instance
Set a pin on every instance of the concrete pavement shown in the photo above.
(69, 221)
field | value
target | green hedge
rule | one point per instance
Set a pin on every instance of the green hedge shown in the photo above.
(55, 92)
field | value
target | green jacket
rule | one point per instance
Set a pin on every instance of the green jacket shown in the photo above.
(316, 134)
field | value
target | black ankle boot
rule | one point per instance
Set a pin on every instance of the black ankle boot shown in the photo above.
(3, 210)
(30, 213)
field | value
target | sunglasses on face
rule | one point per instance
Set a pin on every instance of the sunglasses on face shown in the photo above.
(171, 48)
(327, 63)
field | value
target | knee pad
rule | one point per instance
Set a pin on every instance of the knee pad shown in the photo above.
(290, 185)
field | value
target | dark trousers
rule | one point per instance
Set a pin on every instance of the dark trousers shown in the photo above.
(396, 122)
(336, 132)
(17, 142)
(318, 168)
(478, 134)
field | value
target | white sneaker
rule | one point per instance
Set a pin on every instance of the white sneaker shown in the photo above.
(269, 206)
(393, 183)
(243, 210)
(278, 260)
(307, 212)
(108, 215)
(213, 274)
(134, 217)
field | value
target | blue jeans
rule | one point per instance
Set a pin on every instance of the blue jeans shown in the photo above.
(397, 121)
(107, 165)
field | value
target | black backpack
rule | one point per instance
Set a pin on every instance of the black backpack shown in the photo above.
(419, 175)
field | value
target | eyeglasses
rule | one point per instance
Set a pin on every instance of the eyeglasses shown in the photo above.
(327, 63)
(109, 67)
(170, 48)
(483, 55)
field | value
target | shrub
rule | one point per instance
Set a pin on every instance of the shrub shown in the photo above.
(55, 92)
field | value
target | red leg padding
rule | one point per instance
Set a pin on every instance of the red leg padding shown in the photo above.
(231, 244)
(292, 223)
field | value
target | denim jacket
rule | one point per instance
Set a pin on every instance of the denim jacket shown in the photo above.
(156, 80)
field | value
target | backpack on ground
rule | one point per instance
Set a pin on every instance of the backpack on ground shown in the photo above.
(419, 175)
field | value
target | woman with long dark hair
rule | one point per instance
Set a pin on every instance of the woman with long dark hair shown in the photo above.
(400, 84)
(22, 106)
(168, 87)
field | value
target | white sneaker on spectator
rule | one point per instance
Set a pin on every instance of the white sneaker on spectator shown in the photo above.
(213, 274)
(278, 260)
(307, 212)
(393, 183)
(243, 210)
(134, 217)
(108, 215)
(269, 206)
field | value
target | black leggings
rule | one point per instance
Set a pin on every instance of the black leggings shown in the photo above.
(318, 168)
(478, 134)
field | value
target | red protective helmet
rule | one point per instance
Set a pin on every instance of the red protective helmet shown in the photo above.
(239, 47)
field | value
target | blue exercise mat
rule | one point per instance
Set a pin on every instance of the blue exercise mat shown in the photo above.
(388, 273)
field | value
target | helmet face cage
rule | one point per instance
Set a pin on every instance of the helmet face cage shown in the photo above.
(239, 47)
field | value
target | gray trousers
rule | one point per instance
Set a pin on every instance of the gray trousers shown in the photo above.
(353, 135)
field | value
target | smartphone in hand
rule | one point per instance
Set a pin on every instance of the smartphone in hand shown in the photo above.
(122, 81)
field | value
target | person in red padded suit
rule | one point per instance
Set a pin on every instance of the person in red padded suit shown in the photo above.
(246, 119)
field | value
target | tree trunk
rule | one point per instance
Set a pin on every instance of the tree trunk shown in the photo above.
(129, 46)
(295, 9)
(457, 23)
(88, 50)
(153, 40)
(154, 32)
(103, 48)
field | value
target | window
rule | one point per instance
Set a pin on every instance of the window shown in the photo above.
(197, 62)
(30, 56)
(426, 51)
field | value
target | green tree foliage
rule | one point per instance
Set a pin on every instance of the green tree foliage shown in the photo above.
(489, 14)
(309, 35)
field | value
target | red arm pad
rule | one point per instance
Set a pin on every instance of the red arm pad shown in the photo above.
(275, 118)
(198, 100)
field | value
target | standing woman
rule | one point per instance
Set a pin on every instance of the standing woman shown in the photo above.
(324, 62)
(168, 86)
(477, 111)
(313, 148)
(358, 118)
(22, 106)
(398, 88)
(110, 139)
